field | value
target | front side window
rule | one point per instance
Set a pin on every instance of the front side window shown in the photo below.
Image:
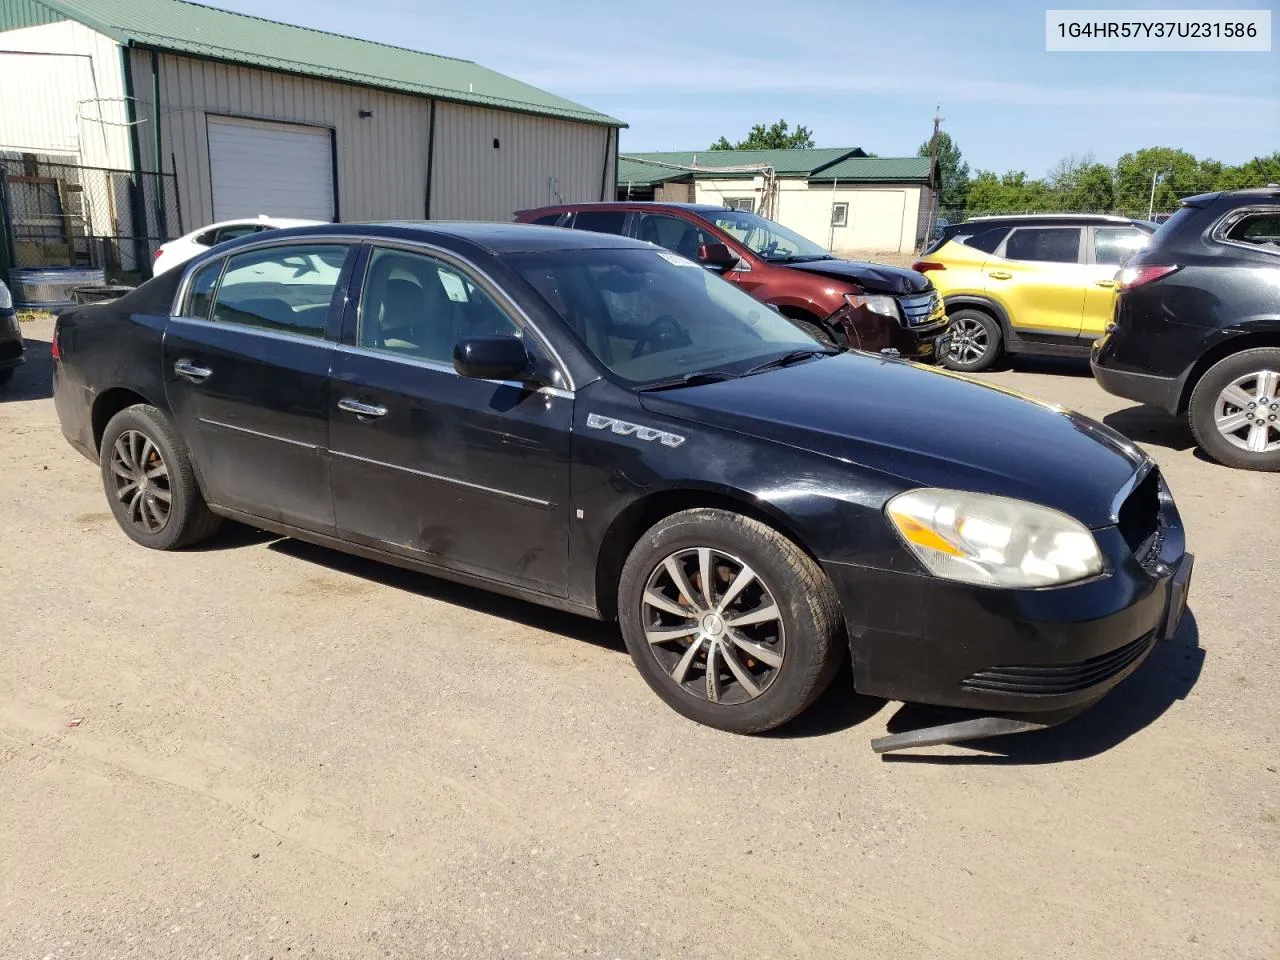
(676, 234)
(200, 292)
(649, 316)
(1044, 244)
(288, 289)
(601, 221)
(1113, 246)
(768, 240)
(418, 306)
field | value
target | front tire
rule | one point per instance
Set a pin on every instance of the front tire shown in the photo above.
(815, 330)
(729, 622)
(1235, 410)
(149, 482)
(976, 341)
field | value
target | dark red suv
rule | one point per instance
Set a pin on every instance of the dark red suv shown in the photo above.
(867, 306)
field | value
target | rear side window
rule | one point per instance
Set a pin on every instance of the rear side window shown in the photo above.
(600, 221)
(549, 220)
(676, 234)
(1259, 229)
(286, 289)
(979, 239)
(1113, 246)
(1044, 244)
(200, 292)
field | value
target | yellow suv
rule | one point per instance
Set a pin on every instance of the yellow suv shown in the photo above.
(1039, 283)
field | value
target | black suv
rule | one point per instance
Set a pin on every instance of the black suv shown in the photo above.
(1197, 325)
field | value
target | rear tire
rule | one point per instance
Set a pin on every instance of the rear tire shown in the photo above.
(1235, 410)
(770, 623)
(976, 341)
(149, 482)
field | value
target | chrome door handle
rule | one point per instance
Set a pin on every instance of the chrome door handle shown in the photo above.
(362, 410)
(1000, 275)
(189, 371)
(1109, 284)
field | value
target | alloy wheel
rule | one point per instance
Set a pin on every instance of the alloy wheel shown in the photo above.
(140, 481)
(713, 625)
(1247, 412)
(969, 340)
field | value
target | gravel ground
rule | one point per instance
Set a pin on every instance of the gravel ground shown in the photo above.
(285, 752)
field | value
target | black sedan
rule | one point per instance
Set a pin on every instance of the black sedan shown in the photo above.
(599, 425)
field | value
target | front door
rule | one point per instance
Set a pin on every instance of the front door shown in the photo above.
(470, 474)
(247, 367)
(1039, 278)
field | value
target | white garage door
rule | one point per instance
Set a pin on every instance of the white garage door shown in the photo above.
(278, 169)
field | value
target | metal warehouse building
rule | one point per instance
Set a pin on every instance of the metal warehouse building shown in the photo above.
(213, 115)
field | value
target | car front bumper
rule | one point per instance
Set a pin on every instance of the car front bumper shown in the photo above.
(1046, 653)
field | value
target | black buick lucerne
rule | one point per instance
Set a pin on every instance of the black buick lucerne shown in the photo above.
(599, 425)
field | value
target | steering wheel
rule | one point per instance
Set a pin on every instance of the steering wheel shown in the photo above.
(662, 331)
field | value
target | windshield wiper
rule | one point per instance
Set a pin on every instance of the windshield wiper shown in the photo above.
(795, 356)
(803, 258)
(690, 380)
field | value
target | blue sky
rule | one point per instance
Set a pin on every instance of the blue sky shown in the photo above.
(857, 73)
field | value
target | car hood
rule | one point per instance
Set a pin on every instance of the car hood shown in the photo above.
(872, 277)
(926, 426)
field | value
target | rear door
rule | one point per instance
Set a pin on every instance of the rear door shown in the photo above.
(1039, 277)
(469, 474)
(246, 362)
(1109, 249)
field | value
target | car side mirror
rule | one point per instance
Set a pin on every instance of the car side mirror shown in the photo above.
(717, 256)
(493, 358)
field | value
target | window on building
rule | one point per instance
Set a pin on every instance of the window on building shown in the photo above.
(288, 289)
(1044, 244)
(741, 203)
(418, 306)
(840, 214)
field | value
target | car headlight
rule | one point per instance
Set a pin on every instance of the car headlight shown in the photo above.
(879, 303)
(6, 298)
(993, 541)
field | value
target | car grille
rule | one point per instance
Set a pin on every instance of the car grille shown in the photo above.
(1058, 678)
(1140, 522)
(918, 310)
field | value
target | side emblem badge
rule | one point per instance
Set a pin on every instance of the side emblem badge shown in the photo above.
(622, 428)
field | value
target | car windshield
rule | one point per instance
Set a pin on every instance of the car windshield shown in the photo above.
(651, 316)
(771, 241)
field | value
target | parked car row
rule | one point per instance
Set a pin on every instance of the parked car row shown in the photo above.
(592, 422)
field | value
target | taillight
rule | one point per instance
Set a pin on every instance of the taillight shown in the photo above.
(55, 349)
(1139, 276)
(924, 266)
(159, 254)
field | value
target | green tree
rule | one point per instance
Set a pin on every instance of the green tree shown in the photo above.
(953, 172)
(1177, 172)
(777, 136)
(1257, 172)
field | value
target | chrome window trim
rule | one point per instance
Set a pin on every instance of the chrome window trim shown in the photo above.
(321, 340)
(505, 494)
(1228, 220)
(439, 367)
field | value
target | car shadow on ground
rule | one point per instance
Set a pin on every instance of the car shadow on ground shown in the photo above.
(1166, 676)
(472, 598)
(1058, 366)
(34, 379)
(1152, 426)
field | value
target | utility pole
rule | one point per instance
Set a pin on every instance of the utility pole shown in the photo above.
(1151, 204)
(933, 172)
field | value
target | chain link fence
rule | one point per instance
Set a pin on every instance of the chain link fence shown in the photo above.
(55, 214)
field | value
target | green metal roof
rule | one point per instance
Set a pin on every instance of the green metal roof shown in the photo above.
(876, 169)
(646, 174)
(16, 14)
(785, 163)
(195, 29)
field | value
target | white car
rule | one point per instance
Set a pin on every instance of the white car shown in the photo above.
(179, 251)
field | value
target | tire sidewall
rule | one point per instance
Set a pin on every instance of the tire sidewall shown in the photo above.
(1200, 410)
(995, 342)
(151, 424)
(806, 651)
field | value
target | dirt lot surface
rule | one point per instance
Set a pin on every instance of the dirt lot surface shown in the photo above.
(285, 752)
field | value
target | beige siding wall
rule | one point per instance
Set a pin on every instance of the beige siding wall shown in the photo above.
(381, 160)
(882, 218)
(63, 93)
(538, 161)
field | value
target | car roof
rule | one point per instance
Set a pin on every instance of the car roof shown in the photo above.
(1270, 192)
(1084, 218)
(626, 205)
(281, 222)
(497, 238)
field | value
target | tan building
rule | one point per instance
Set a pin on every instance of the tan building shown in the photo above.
(243, 116)
(838, 197)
